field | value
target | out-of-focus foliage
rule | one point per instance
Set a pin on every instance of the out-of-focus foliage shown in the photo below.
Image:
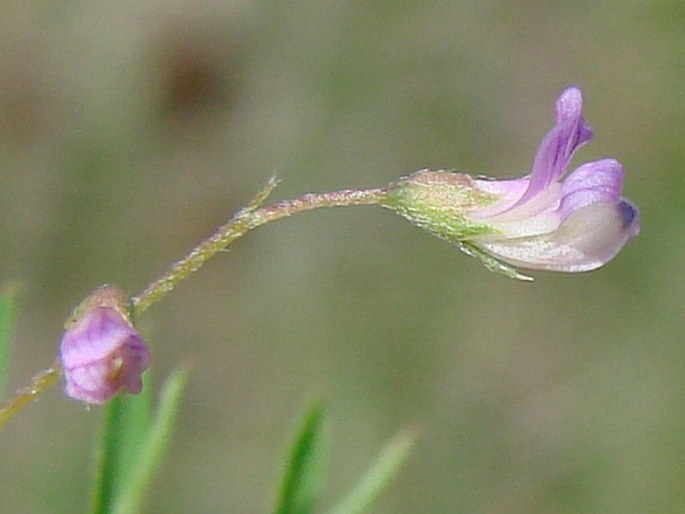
(304, 468)
(132, 446)
(130, 130)
(380, 474)
(7, 315)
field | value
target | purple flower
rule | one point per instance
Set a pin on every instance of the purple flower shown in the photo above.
(101, 352)
(538, 221)
(542, 222)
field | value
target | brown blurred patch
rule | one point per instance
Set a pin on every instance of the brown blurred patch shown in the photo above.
(24, 102)
(198, 68)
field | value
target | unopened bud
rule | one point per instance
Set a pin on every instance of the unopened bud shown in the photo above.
(101, 351)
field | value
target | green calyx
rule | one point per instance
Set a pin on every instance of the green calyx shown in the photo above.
(439, 201)
(104, 296)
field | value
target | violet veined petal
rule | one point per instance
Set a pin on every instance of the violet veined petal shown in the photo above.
(594, 182)
(557, 147)
(586, 240)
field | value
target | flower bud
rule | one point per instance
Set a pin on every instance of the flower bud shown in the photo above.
(101, 352)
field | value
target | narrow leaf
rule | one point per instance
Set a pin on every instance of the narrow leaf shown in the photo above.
(126, 422)
(378, 476)
(129, 498)
(304, 473)
(7, 312)
(135, 429)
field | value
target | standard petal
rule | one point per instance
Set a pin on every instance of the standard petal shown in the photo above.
(569, 104)
(593, 182)
(557, 147)
(586, 240)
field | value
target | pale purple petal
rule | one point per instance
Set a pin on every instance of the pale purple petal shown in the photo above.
(540, 214)
(586, 240)
(102, 353)
(593, 182)
(97, 335)
(85, 383)
(569, 104)
(557, 147)
(507, 191)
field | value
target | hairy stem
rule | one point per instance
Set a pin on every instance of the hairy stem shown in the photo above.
(245, 220)
(23, 397)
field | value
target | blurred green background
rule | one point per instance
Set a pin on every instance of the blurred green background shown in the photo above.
(130, 130)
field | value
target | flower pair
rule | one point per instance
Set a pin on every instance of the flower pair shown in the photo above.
(537, 222)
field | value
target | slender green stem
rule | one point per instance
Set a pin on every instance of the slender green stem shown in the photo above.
(23, 397)
(245, 220)
(248, 218)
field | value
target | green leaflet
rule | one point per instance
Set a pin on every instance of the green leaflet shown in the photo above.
(304, 473)
(373, 483)
(133, 445)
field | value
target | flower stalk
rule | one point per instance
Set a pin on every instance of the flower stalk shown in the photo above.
(249, 217)
(39, 384)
